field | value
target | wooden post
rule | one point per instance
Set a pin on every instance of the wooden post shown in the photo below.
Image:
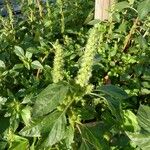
(101, 9)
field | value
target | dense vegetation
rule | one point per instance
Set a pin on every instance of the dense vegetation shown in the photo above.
(70, 82)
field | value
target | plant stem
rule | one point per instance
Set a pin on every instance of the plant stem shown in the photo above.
(38, 71)
(128, 37)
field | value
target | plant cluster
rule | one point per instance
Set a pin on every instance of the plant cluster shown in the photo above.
(68, 82)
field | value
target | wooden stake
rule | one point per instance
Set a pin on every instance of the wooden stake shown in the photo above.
(102, 9)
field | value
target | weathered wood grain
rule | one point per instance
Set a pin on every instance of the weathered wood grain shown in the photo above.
(101, 9)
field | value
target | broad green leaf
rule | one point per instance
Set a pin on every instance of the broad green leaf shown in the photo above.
(89, 138)
(27, 98)
(121, 5)
(113, 91)
(23, 145)
(50, 98)
(36, 65)
(19, 143)
(130, 122)
(41, 126)
(144, 117)
(141, 140)
(113, 97)
(115, 106)
(143, 9)
(89, 17)
(69, 136)
(19, 52)
(87, 113)
(33, 50)
(57, 132)
(26, 115)
(18, 66)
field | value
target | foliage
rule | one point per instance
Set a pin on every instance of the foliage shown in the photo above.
(70, 82)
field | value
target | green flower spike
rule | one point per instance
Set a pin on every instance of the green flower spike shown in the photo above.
(58, 63)
(85, 71)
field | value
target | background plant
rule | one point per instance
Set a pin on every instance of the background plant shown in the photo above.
(48, 50)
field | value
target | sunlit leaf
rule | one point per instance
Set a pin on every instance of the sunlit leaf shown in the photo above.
(143, 9)
(26, 115)
(36, 65)
(57, 132)
(19, 51)
(130, 122)
(141, 140)
(144, 117)
(69, 136)
(113, 91)
(19, 143)
(2, 64)
(121, 5)
(40, 126)
(50, 98)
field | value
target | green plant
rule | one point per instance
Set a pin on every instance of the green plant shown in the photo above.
(66, 84)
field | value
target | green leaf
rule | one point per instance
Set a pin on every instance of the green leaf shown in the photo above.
(50, 98)
(2, 101)
(57, 132)
(18, 66)
(36, 65)
(143, 9)
(131, 122)
(19, 51)
(33, 50)
(69, 136)
(121, 5)
(19, 143)
(144, 117)
(26, 115)
(89, 17)
(90, 139)
(41, 126)
(28, 55)
(113, 91)
(113, 98)
(2, 64)
(115, 106)
(87, 113)
(146, 84)
(93, 22)
(144, 91)
(141, 140)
